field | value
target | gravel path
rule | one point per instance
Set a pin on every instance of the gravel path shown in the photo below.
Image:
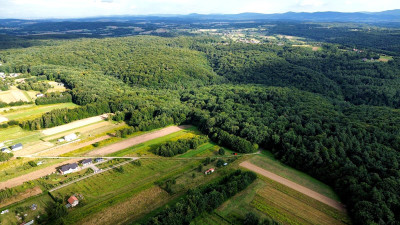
(294, 186)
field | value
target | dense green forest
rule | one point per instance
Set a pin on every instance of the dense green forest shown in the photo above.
(328, 112)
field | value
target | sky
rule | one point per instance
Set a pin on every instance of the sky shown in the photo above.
(36, 9)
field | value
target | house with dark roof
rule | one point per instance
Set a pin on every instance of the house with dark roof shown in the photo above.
(16, 147)
(86, 162)
(5, 150)
(69, 168)
(98, 160)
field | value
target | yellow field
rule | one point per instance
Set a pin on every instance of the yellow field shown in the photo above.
(14, 95)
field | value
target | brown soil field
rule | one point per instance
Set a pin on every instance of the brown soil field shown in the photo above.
(135, 140)
(33, 175)
(26, 194)
(294, 186)
(138, 205)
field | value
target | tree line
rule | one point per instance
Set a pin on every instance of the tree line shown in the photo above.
(172, 148)
(204, 199)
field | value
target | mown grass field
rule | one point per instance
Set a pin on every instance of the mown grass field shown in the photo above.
(111, 187)
(35, 111)
(268, 199)
(16, 134)
(267, 161)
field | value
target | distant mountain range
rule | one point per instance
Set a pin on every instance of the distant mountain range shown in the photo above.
(360, 17)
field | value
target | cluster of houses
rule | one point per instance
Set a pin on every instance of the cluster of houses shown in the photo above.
(12, 148)
(73, 167)
(4, 75)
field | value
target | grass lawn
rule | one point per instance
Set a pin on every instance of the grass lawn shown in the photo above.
(16, 134)
(385, 58)
(267, 161)
(35, 111)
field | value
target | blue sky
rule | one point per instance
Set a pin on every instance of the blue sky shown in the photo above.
(32, 9)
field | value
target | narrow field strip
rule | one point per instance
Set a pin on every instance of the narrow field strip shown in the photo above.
(294, 186)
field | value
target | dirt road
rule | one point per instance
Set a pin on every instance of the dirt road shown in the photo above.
(294, 186)
(135, 140)
(33, 175)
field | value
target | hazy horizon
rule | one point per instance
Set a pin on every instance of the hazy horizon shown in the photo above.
(64, 9)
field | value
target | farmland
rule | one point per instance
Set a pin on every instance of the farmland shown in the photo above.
(14, 95)
(34, 111)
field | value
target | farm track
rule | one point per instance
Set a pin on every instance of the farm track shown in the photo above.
(294, 186)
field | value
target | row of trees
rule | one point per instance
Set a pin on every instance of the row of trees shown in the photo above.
(53, 98)
(62, 116)
(204, 199)
(181, 146)
(36, 86)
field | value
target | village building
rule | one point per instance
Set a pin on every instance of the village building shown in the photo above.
(73, 201)
(98, 160)
(69, 168)
(209, 171)
(70, 137)
(5, 150)
(61, 140)
(86, 162)
(16, 147)
(39, 95)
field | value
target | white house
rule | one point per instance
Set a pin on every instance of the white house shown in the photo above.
(5, 150)
(69, 168)
(39, 95)
(70, 137)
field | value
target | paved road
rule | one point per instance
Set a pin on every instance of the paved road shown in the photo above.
(297, 187)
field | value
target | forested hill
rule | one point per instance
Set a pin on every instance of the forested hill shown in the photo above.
(179, 63)
(325, 112)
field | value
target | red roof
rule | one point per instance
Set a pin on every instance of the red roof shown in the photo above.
(72, 199)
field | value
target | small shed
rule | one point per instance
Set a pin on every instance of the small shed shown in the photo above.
(5, 150)
(70, 137)
(209, 171)
(73, 201)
